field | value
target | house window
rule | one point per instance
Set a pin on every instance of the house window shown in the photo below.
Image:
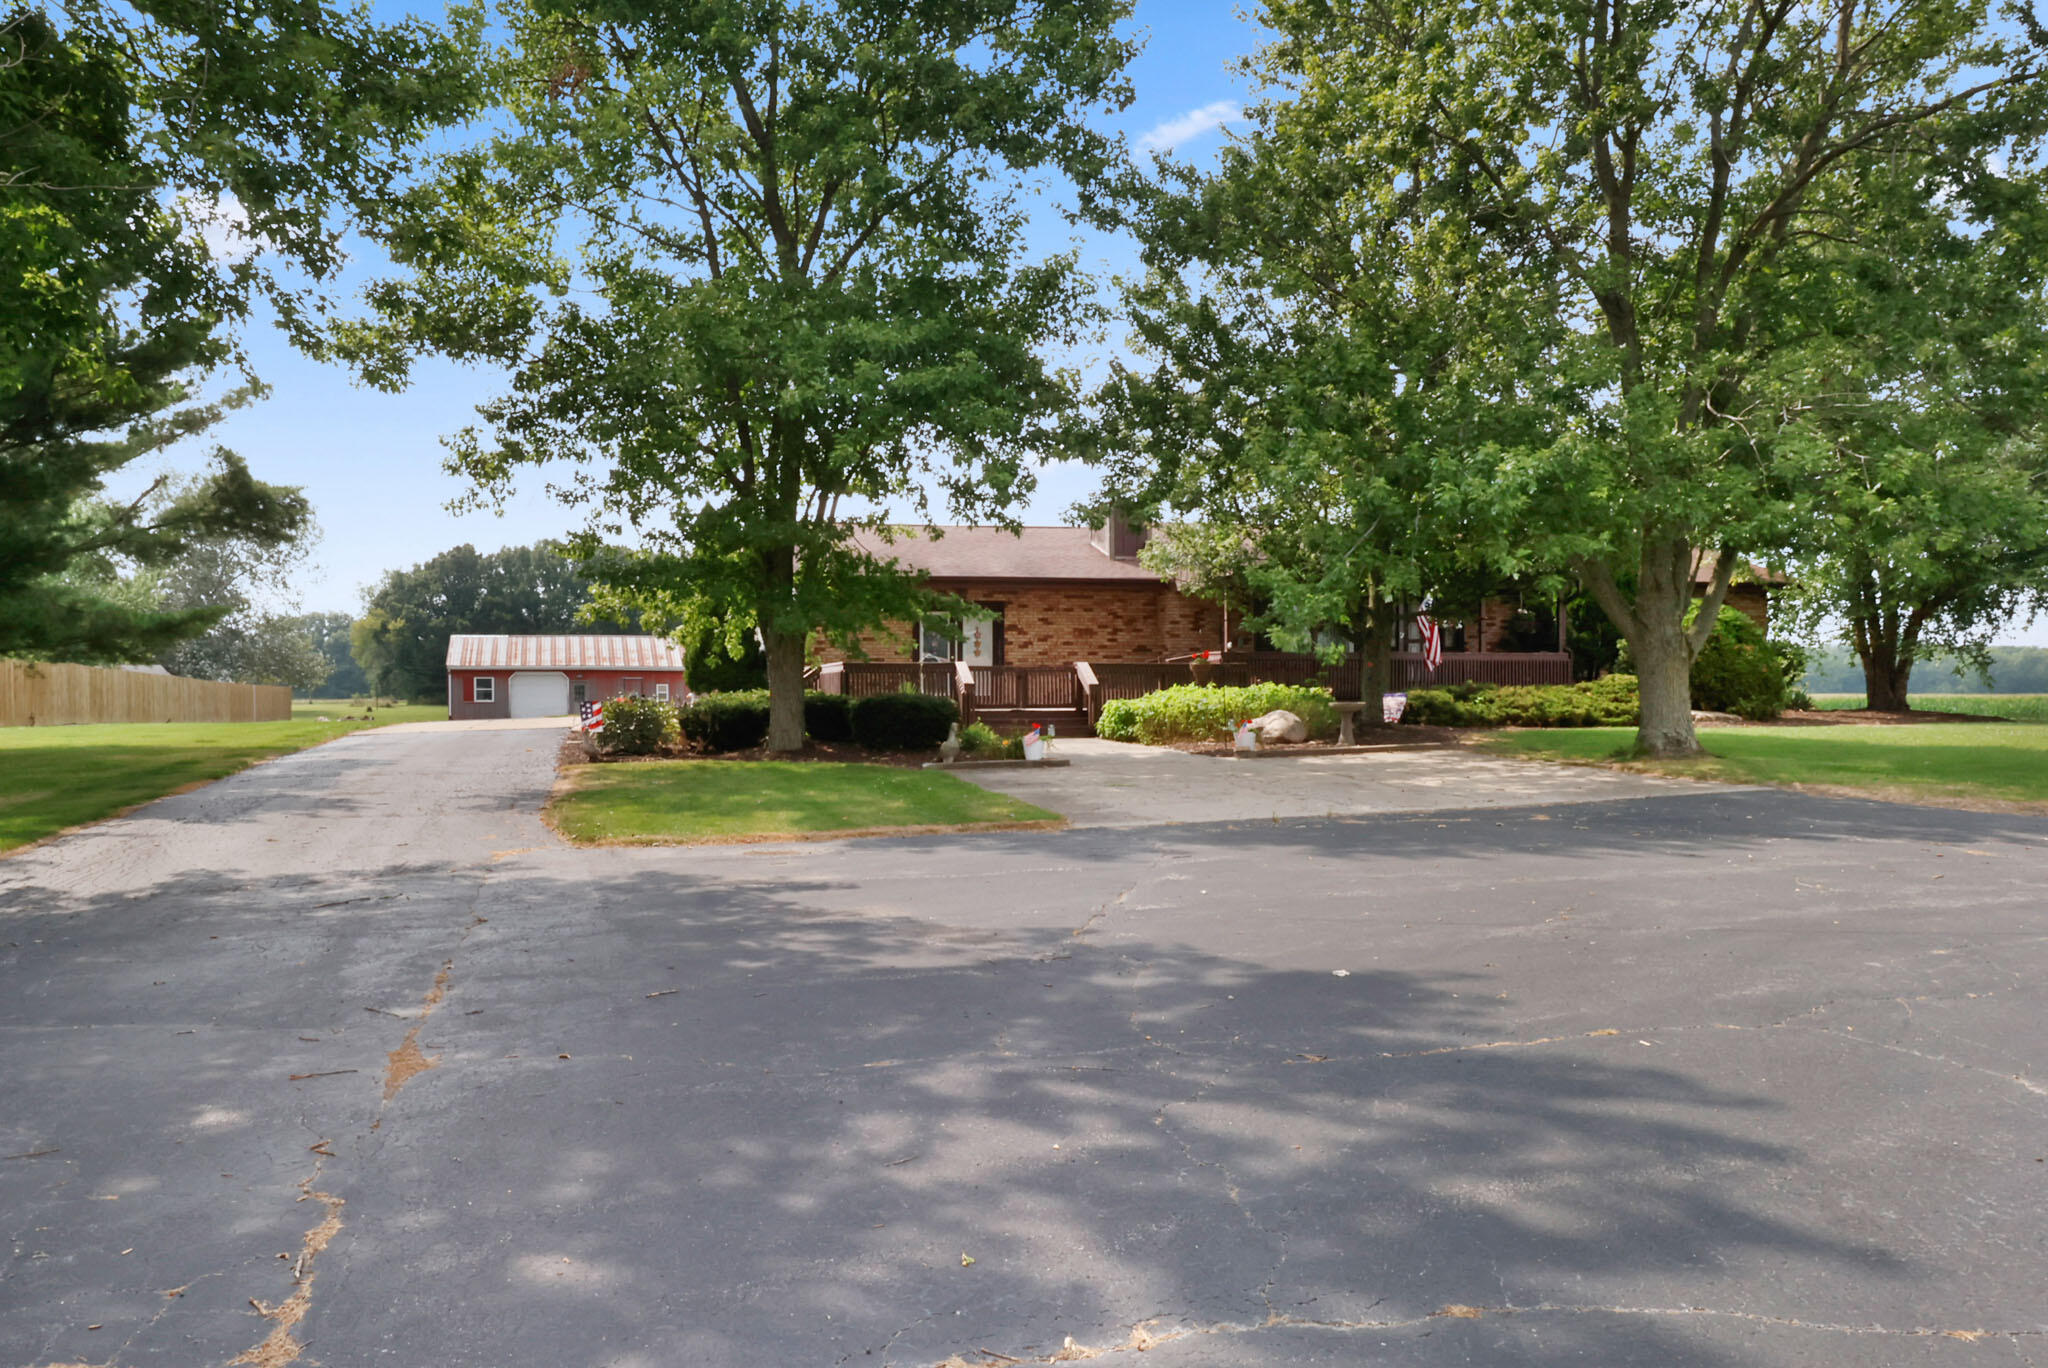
(661, 692)
(932, 646)
(980, 643)
(483, 689)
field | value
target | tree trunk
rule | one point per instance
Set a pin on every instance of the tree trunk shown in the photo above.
(1664, 683)
(785, 651)
(1886, 670)
(1660, 644)
(1377, 676)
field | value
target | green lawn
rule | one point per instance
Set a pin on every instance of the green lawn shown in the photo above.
(57, 777)
(2018, 707)
(1931, 760)
(681, 801)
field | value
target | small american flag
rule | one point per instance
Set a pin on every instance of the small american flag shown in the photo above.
(593, 717)
(1432, 641)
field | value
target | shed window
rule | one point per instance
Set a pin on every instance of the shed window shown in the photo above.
(661, 692)
(483, 689)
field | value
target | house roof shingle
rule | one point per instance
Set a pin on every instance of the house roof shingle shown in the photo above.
(1703, 571)
(499, 651)
(994, 553)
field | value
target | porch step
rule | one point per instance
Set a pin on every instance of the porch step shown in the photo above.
(1066, 721)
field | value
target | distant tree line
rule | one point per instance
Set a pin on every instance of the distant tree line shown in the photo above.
(2005, 670)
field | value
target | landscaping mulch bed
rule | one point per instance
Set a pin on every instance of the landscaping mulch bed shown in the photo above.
(1404, 735)
(820, 752)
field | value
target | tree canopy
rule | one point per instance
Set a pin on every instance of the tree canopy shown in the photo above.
(1658, 216)
(1925, 483)
(161, 170)
(1293, 393)
(757, 268)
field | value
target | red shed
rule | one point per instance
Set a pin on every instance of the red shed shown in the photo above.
(550, 676)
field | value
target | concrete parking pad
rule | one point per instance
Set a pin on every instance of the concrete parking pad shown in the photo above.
(346, 1060)
(1115, 784)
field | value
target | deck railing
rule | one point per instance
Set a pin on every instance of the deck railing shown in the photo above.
(866, 678)
(1482, 667)
(1026, 686)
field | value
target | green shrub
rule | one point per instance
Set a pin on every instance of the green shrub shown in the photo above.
(637, 726)
(725, 721)
(1609, 701)
(903, 721)
(1741, 671)
(979, 741)
(1191, 712)
(828, 717)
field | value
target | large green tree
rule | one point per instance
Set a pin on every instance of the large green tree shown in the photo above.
(162, 169)
(1928, 477)
(329, 633)
(1295, 389)
(401, 640)
(226, 589)
(757, 267)
(1658, 203)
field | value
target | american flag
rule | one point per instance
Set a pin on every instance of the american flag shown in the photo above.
(593, 717)
(1432, 641)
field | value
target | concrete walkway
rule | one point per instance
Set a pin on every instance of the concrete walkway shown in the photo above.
(1115, 784)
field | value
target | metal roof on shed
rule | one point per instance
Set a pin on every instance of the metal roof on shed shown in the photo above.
(475, 651)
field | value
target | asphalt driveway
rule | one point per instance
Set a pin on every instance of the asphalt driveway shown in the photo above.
(346, 1060)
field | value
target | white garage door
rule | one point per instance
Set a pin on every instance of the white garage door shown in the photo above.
(539, 695)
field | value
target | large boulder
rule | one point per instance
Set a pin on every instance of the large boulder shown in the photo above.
(1280, 725)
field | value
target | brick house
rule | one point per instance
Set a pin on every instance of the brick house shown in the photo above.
(1068, 617)
(551, 676)
(1051, 595)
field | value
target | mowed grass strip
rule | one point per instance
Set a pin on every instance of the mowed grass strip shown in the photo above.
(334, 709)
(1963, 760)
(57, 777)
(2017, 707)
(682, 801)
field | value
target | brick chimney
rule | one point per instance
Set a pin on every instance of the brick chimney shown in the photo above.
(1117, 539)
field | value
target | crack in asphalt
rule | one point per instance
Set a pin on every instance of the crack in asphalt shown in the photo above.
(281, 1347)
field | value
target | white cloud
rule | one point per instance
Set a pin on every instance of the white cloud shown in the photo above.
(224, 224)
(1169, 135)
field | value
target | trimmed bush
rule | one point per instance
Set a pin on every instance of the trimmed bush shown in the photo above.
(1742, 671)
(724, 721)
(1192, 712)
(980, 741)
(828, 717)
(1609, 701)
(903, 721)
(637, 726)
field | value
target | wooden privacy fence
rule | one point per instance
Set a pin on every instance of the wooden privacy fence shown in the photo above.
(38, 695)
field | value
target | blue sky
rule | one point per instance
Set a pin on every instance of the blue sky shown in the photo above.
(371, 462)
